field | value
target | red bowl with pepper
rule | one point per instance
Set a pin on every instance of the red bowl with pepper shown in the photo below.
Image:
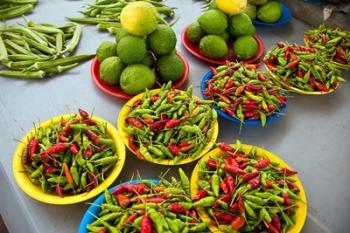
(118, 92)
(35, 191)
(239, 185)
(194, 50)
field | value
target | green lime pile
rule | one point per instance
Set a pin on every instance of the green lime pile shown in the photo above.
(268, 11)
(141, 44)
(213, 30)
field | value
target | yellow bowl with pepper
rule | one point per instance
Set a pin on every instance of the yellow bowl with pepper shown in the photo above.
(122, 124)
(34, 191)
(217, 153)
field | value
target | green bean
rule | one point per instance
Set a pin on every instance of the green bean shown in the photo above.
(74, 41)
(15, 11)
(24, 74)
(62, 61)
(3, 51)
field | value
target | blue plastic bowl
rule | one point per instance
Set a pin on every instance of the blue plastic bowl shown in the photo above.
(285, 18)
(269, 119)
(95, 209)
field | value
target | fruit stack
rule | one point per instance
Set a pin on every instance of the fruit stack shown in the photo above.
(223, 22)
(141, 44)
(268, 11)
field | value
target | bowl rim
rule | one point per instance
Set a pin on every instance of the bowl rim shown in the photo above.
(94, 72)
(95, 209)
(186, 43)
(284, 19)
(269, 119)
(121, 123)
(301, 212)
(35, 191)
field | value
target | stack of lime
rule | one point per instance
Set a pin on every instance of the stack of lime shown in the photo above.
(268, 11)
(141, 45)
(224, 20)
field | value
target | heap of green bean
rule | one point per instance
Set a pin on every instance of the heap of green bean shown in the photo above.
(14, 8)
(106, 13)
(37, 50)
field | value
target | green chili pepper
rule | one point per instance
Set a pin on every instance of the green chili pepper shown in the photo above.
(204, 202)
(249, 210)
(185, 182)
(215, 184)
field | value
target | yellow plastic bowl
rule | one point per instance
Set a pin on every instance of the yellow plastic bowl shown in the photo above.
(121, 124)
(35, 191)
(301, 211)
(294, 89)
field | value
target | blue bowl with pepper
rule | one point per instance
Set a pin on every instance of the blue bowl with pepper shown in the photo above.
(95, 208)
(269, 119)
(285, 18)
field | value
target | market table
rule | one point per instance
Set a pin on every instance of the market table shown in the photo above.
(313, 137)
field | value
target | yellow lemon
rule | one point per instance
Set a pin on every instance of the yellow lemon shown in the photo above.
(231, 7)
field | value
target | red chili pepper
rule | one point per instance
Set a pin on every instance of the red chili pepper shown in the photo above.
(67, 174)
(183, 144)
(321, 87)
(250, 107)
(224, 187)
(132, 144)
(248, 176)
(32, 148)
(292, 186)
(342, 61)
(130, 219)
(255, 182)
(172, 123)
(61, 137)
(277, 222)
(300, 73)
(230, 181)
(200, 194)
(251, 66)
(137, 103)
(287, 200)
(73, 148)
(177, 208)
(293, 57)
(123, 200)
(324, 39)
(93, 183)
(236, 103)
(49, 169)
(261, 77)
(133, 121)
(139, 155)
(83, 113)
(103, 230)
(269, 184)
(213, 70)
(92, 136)
(233, 169)
(225, 147)
(234, 206)
(270, 227)
(243, 165)
(154, 200)
(293, 64)
(271, 107)
(148, 121)
(288, 172)
(89, 122)
(120, 189)
(158, 125)
(173, 149)
(221, 216)
(249, 114)
(229, 84)
(146, 224)
(229, 91)
(224, 98)
(231, 161)
(341, 52)
(225, 198)
(238, 222)
(229, 111)
(262, 163)
(187, 148)
(88, 152)
(138, 189)
(55, 149)
(253, 87)
(241, 205)
(59, 190)
(154, 98)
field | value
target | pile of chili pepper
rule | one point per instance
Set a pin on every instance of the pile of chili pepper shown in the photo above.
(334, 42)
(244, 93)
(302, 68)
(146, 207)
(247, 192)
(38, 50)
(70, 157)
(14, 8)
(171, 125)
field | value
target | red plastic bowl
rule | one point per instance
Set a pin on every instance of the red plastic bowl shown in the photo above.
(118, 92)
(194, 49)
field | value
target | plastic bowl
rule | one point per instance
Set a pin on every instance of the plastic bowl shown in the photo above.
(35, 191)
(94, 208)
(270, 119)
(301, 212)
(285, 18)
(194, 50)
(118, 92)
(294, 89)
(121, 123)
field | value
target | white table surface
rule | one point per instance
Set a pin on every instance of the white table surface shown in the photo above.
(313, 137)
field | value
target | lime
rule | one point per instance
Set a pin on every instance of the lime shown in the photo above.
(212, 5)
(251, 11)
(270, 12)
(139, 18)
(245, 47)
(148, 60)
(194, 33)
(257, 2)
(136, 78)
(213, 46)
(131, 49)
(231, 7)
(225, 35)
(106, 49)
(241, 25)
(162, 41)
(170, 67)
(110, 70)
(213, 22)
(120, 34)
